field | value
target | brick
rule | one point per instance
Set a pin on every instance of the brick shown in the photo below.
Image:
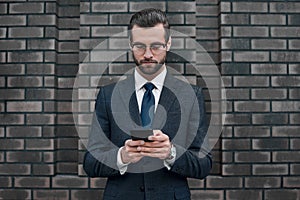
(67, 168)
(295, 118)
(8, 119)
(26, 32)
(285, 56)
(51, 32)
(285, 131)
(269, 94)
(294, 44)
(109, 31)
(291, 182)
(282, 194)
(67, 143)
(5, 182)
(208, 194)
(67, 58)
(68, 35)
(251, 56)
(211, 10)
(68, 11)
(237, 119)
(39, 144)
(86, 194)
(268, 44)
(13, 194)
(49, 157)
(51, 56)
(40, 119)
(250, 31)
(295, 169)
(270, 119)
(295, 144)
(235, 44)
(15, 20)
(236, 144)
(14, 169)
(195, 183)
(37, 20)
(39, 94)
(251, 106)
(203, 34)
(68, 23)
(294, 93)
(178, 6)
(285, 7)
(109, 7)
(236, 169)
(286, 156)
(268, 19)
(43, 169)
(3, 56)
(253, 81)
(235, 68)
(285, 32)
(268, 68)
(40, 69)
(44, 44)
(23, 156)
(263, 182)
(177, 19)
(12, 44)
(25, 57)
(294, 19)
(224, 182)
(3, 8)
(235, 19)
(240, 194)
(67, 155)
(225, 7)
(50, 7)
(11, 94)
(3, 32)
(26, 8)
(226, 31)
(24, 131)
(273, 169)
(51, 194)
(84, 7)
(272, 144)
(204, 22)
(94, 19)
(254, 156)
(285, 81)
(24, 106)
(137, 6)
(11, 144)
(286, 106)
(69, 181)
(12, 69)
(32, 182)
(249, 7)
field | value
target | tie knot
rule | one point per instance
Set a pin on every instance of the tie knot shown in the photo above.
(149, 86)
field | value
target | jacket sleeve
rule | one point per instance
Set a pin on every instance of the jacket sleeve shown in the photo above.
(195, 161)
(100, 159)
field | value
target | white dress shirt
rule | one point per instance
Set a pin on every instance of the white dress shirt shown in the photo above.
(140, 81)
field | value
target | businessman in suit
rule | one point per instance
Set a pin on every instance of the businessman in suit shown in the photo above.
(150, 98)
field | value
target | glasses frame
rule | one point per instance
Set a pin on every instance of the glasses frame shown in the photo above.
(142, 51)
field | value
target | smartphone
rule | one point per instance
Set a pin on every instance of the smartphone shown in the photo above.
(141, 134)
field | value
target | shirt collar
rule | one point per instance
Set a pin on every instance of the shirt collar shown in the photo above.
(158, 81)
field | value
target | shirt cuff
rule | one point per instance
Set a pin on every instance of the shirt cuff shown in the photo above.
(122, 166)
(168, 163)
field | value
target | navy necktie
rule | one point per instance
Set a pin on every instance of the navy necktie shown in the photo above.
(147, 111)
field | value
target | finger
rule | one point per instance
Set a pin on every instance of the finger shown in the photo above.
(154, 155)
(134, 143)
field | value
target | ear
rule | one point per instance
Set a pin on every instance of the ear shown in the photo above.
(169, 43)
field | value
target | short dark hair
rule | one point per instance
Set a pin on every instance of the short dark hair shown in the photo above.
(150, 17)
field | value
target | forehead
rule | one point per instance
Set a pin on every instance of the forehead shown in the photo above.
(148, 35)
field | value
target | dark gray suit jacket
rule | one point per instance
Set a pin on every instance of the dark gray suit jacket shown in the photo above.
(180, 114)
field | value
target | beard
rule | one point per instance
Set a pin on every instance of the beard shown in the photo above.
(149, 66)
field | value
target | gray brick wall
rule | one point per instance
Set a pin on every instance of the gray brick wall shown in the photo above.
(255, 45)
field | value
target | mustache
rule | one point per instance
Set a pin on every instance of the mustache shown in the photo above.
(148, 60)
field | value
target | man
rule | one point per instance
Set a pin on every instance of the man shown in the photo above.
(150, 98)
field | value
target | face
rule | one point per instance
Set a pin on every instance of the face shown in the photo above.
(149, 49)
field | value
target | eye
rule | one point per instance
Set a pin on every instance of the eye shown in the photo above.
(139, 46)
(157, 46)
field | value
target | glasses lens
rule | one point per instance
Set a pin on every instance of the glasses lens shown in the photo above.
(141, 48)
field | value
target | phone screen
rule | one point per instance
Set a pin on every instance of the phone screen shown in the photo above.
(141, 135)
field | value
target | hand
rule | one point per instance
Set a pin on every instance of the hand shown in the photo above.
(129, 153)
(159, 148)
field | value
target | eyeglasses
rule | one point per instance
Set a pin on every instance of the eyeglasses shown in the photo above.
(155, 48)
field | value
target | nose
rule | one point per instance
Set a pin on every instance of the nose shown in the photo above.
(148, 53)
